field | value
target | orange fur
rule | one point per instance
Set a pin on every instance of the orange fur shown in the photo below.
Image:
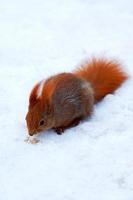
(104, 76)
(48, 90)
(33, 95)
(65, 99)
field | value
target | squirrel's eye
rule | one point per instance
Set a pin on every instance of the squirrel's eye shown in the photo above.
(41, 122)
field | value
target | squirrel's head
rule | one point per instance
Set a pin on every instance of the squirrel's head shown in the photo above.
(39, 114)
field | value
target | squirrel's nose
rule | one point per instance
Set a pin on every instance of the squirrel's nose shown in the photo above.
(33, 132)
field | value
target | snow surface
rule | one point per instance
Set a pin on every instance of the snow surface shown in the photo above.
(93, 161)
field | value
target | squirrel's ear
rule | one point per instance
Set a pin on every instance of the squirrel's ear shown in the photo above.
(33, 96)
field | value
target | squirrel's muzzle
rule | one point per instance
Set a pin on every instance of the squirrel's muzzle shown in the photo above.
(33, 132)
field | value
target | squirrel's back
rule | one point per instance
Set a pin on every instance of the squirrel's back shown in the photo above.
(72, 97)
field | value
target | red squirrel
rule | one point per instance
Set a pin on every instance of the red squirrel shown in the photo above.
(65, 99)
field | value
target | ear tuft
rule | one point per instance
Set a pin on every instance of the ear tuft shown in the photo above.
(33, 96)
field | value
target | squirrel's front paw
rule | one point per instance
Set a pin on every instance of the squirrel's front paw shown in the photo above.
(59, 130)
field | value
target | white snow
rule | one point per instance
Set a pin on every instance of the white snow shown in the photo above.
(93, 161)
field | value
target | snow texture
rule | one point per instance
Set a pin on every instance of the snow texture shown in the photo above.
(93, 161)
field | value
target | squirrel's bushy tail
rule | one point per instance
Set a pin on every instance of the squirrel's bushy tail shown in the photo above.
(105, 76)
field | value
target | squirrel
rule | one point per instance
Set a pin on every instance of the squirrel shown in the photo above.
(63, 100)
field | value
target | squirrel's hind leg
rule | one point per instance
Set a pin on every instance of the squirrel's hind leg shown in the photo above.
(60, 130)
